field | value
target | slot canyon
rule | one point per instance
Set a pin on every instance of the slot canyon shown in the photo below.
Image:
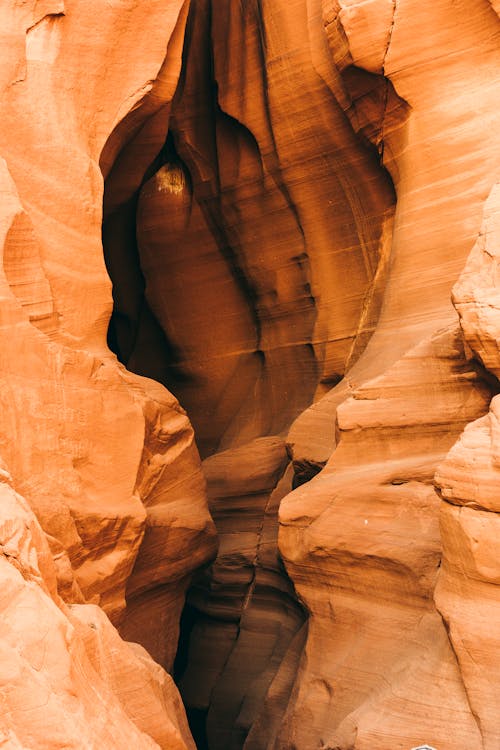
(249, 375)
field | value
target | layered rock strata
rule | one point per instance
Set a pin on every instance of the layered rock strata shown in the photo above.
(105, 459)
(272, 211)
(228, 268)
(362, 545)
(245, 153)
(443, 163)
(67, 678)
(292, 190)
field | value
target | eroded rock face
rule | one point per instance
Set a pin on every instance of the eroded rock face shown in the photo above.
(285, 220)
(373, 695)
(467, 592)
(260, 249)
(292, 190)
(105, 459)
(67, 678)
(246, 617)
(362, 545)
(273, 212)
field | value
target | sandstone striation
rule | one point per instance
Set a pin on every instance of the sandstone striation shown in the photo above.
(297, 204)
(67, 679)
(442, 170)
(242, 148)
(365, 557)
(105, 459)
(232, 167)
(467, 594)
(252, 317)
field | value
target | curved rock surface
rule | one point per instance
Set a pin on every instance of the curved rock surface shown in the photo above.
(467, 592)
(245, 615)
(362, 544)
(272, 212)
(67, 678)
(288, 193)
(105, 459)
(443, 161)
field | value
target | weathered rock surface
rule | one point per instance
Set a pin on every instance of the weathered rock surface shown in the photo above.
(240, 239)
(67, 679)
(105, 459)
(272, 211)
(244, 609)
(443, 162)
(362, 545)
(275, 209)
(373, 695)
(292, 191)
(467, 593)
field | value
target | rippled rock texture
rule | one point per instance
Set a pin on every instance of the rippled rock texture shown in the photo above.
(299, 208)
(103, 499)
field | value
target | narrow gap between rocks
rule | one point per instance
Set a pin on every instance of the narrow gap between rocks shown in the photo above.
(214, 298)
(179, 279)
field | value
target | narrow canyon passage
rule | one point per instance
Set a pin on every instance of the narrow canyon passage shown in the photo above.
(226, 255)
(249, 375)
(228, 247)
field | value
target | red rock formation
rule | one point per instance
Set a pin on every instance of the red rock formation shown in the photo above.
(234, 166)
(361, 543)
(247, 616)
(443, 163)
(252, 321)
(244, 148)
(292, 190)
(467, 591)
(66, 677)
(105, 459)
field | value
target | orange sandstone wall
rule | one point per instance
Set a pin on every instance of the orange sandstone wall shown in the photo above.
(259, 235)
(293, 190)
(396, 653)
(104, 459)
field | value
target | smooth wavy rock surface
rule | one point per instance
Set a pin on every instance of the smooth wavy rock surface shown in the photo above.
(291, 212)
(104, 459)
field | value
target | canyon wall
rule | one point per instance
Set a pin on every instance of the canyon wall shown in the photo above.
(103, 498)
(396, 606)
(299, 208)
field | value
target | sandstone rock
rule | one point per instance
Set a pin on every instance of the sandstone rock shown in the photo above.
(467, 591)
(244, 152)
(62, 682)
(231, 166)
(105, 459)
(361, 543)
(476, 294)
(435, 227)
(145, 691)
(292, 190)
(244, 609)
(443, 161)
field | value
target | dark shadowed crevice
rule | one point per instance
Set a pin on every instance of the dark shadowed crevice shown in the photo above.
(304, 471)
(197, 717)
(242, 615)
